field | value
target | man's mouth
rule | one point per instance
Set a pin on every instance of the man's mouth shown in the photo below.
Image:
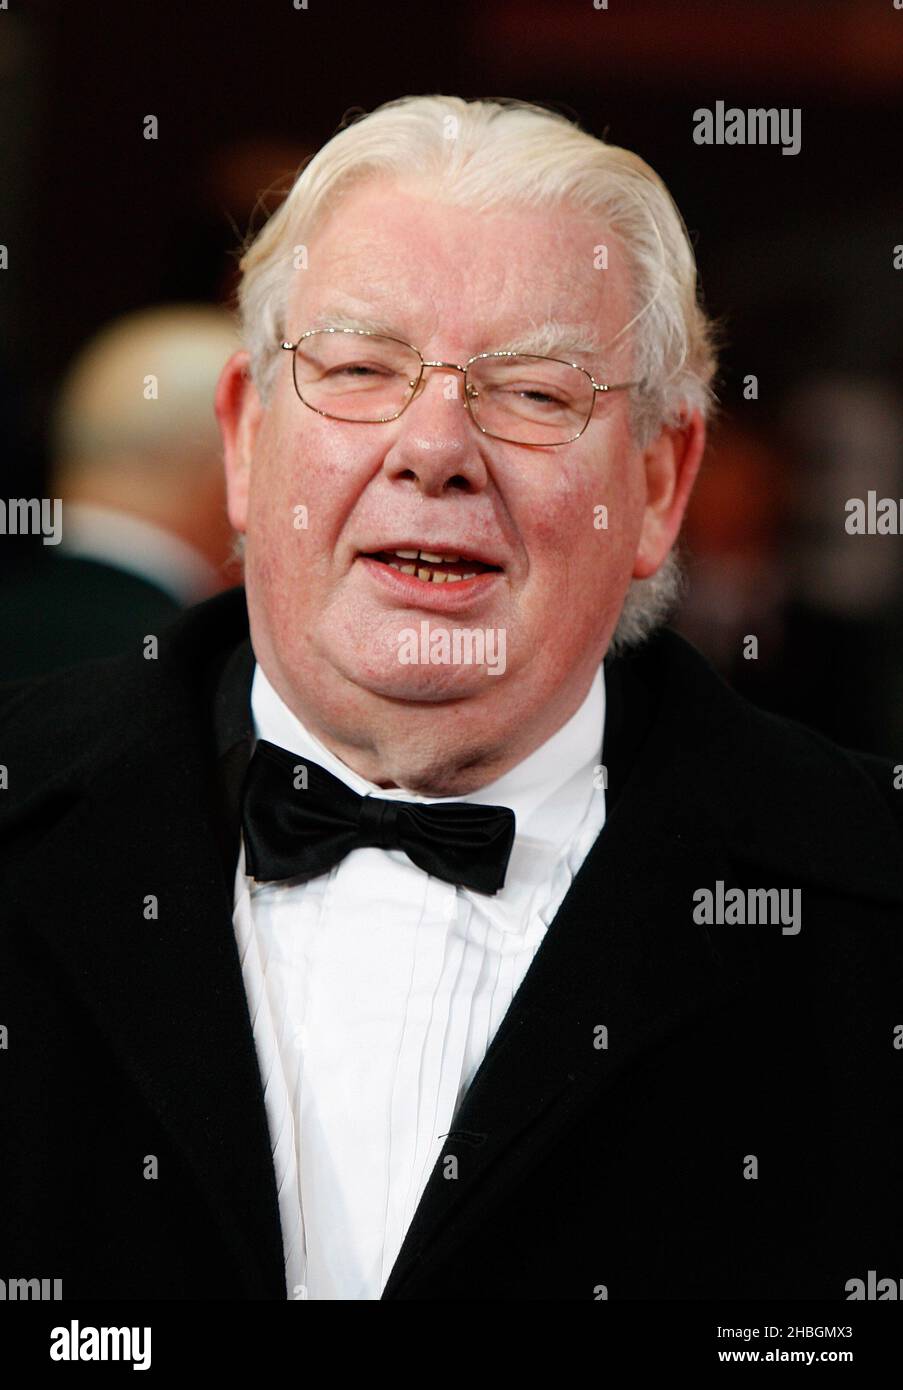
(432, 567)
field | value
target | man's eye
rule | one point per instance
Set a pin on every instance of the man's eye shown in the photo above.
(360, 370)
(535, 394)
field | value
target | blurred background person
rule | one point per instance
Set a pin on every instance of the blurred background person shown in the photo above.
(136, 460)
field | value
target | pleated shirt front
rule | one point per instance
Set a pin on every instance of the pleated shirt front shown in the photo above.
(375, 990)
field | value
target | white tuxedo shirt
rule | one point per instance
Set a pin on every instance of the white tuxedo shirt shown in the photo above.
(375, 990)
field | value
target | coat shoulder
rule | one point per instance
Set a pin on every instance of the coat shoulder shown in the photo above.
(785, 795)
(58, 729)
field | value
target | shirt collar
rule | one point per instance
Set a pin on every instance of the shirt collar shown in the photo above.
(536, 789)
(133, 543)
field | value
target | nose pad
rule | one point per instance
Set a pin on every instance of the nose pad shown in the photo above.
(422, 383)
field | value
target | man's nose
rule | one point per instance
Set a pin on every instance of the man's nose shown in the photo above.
(438, 445)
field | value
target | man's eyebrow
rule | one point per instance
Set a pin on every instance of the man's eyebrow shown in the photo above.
(552, 338)
(556, 339)
(334, 318)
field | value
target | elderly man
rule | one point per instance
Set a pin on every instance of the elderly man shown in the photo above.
(438, 925)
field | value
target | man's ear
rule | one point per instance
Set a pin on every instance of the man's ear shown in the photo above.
(239, 411)
(671, 464)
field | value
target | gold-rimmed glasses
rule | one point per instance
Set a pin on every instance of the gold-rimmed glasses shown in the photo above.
(369, 378)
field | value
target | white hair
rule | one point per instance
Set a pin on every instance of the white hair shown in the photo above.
(480, 155)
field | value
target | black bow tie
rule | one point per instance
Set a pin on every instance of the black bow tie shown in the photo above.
(299, 820)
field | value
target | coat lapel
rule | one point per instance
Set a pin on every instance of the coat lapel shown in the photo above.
(700, 788)
(164, 983)
(617, 954)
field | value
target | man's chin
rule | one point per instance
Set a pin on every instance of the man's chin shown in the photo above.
(422, 684)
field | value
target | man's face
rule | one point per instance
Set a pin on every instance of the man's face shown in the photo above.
(327, 620)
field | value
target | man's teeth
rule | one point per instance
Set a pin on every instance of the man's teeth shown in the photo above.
(426, 555)
(429, 576)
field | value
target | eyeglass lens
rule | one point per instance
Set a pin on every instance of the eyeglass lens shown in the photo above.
(523, 398)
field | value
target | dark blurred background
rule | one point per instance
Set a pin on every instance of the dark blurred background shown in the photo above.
(796, 255)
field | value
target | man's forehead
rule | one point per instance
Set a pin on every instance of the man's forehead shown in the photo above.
(374, 274)
(380, 229)
(378, 214)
